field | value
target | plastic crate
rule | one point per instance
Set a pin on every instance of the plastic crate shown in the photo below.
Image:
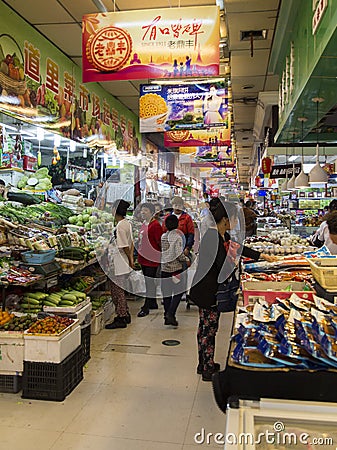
(85, 342)
(10, 383)
(97, 321)
(271, 290)
(35, 257)
(326, 276)
(48, 381)
(11, 351)
(52, 348)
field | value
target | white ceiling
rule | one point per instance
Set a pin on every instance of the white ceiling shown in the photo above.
(61, 20)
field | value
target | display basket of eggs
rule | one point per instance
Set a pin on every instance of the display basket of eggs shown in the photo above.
(12, 74)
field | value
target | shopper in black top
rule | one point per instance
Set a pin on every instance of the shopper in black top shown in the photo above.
(216, 263)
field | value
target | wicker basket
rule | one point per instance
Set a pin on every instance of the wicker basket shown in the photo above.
(326, 276)
(12, 86)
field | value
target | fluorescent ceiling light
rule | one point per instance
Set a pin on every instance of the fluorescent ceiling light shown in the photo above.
(293, 158)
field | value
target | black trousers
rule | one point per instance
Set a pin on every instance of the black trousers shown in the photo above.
(150, 285)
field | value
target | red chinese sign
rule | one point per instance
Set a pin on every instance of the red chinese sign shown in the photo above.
(171, 42)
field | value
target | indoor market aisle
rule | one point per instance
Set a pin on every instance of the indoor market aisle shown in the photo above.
(137, 394)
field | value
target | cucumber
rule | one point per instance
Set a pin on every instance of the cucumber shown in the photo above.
(70, 297)
(28, 307)
(66, 303)
(33, 311)
(79, 294)
(55, 296)
(31, 301)
(46, 303)
(51, 300)
(37, 295)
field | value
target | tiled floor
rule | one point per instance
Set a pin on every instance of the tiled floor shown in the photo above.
(127, 401)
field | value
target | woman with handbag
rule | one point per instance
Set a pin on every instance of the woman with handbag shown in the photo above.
(217, 266)
(121, 259)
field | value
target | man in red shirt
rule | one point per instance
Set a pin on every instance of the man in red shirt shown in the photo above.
(149, 252)
(186, 225)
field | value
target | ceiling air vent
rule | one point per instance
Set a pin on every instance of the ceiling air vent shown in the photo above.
(257, 35)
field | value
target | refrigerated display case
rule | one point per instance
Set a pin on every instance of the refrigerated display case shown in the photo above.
(280, 424)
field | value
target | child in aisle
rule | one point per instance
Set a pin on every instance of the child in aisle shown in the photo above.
(173, 263)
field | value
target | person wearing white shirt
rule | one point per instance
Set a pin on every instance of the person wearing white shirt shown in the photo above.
(327, 232)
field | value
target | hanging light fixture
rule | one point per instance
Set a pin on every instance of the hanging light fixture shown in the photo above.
(301, 180)
(317, 174)
(284, 185)
(291, 182)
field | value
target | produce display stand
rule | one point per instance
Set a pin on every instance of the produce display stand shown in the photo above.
(311, 381)
(52, 348)
(4, 285)
(237, 381)
(47, 366)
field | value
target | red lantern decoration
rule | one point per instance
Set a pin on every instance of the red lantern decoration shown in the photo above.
(257, 181)
(266, 166)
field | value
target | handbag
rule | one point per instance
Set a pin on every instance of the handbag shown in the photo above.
(227, 294)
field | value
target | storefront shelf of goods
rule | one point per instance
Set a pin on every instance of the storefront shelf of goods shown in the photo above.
(52, 348)
(270, 290)
(49, 381)
(11, 351)
(10, 382)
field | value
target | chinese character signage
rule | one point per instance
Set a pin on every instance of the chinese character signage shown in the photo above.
(183, 107)
(284, 171)
(192, 138)
(39, 84)
(152, 43)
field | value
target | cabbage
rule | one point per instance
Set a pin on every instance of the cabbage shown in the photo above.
(44, 184)
(23, 182)
(42, 173)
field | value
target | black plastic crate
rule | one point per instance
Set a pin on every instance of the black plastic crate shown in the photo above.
(85, 342)
(50, 381)
(10, 383)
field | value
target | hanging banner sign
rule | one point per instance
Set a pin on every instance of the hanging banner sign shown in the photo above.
(151, 43)
(183, 107)
(222, 156)
(192, 138)
(39, 84)
(284, 171)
